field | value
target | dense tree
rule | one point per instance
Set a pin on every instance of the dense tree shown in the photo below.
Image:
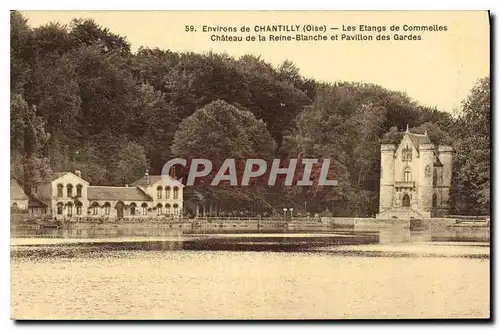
(220, 131)
(86, 32)
(28, 140)
(80, 99)
(472, 146)
(20, 51)
(131, 163)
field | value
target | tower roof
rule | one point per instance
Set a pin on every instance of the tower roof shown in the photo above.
(418, 139)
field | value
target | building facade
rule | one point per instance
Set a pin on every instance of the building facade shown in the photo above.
(18, 198)
(67, 195)
(415, 178)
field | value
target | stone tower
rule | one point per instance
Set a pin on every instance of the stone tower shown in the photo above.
(445, 154)
(386, 176)
(425, 188)
(415, 178)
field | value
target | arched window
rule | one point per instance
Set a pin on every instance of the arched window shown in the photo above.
(69, 188)
(159, 192)
(167, 209)
(78, 208)
(107, 208)
(95, 208)
(60, 208)
(407, 175)
(69, 207)
(79, 190)
(144, 209)
(406, 200)
(434, 178)
(167, 192)
(60, 188)
(119, 206)
(434, 201)
(176, 192)
(132, 208)
(176, 209)
(159, 208)
(14, 205)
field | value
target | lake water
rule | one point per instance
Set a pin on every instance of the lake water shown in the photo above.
(247, 276)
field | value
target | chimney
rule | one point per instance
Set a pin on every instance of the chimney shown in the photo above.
(78, 173)
(172, 172)
(147, 176)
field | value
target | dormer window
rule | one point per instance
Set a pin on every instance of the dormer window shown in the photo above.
(406, 154)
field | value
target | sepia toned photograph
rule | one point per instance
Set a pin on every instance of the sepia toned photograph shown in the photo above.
(250, 165)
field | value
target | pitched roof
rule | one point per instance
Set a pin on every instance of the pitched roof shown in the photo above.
(116, 194)
(35, 202)
(418, 139)
(56, 175)
(16, 191)
(153, 179)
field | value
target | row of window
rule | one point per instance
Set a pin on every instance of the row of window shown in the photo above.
(159, 192)
(69, 208)
(69, 190)
(107, 209)
(144, 208)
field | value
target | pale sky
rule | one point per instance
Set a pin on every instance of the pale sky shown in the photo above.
(438, 70)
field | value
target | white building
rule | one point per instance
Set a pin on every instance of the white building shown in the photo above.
(415, 178)
(68, 195)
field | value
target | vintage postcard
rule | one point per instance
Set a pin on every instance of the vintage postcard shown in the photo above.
(250, 165)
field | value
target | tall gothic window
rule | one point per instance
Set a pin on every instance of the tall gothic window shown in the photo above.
(407, 175)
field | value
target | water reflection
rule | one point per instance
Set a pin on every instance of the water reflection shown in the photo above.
(275, 242)
(159, 273)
